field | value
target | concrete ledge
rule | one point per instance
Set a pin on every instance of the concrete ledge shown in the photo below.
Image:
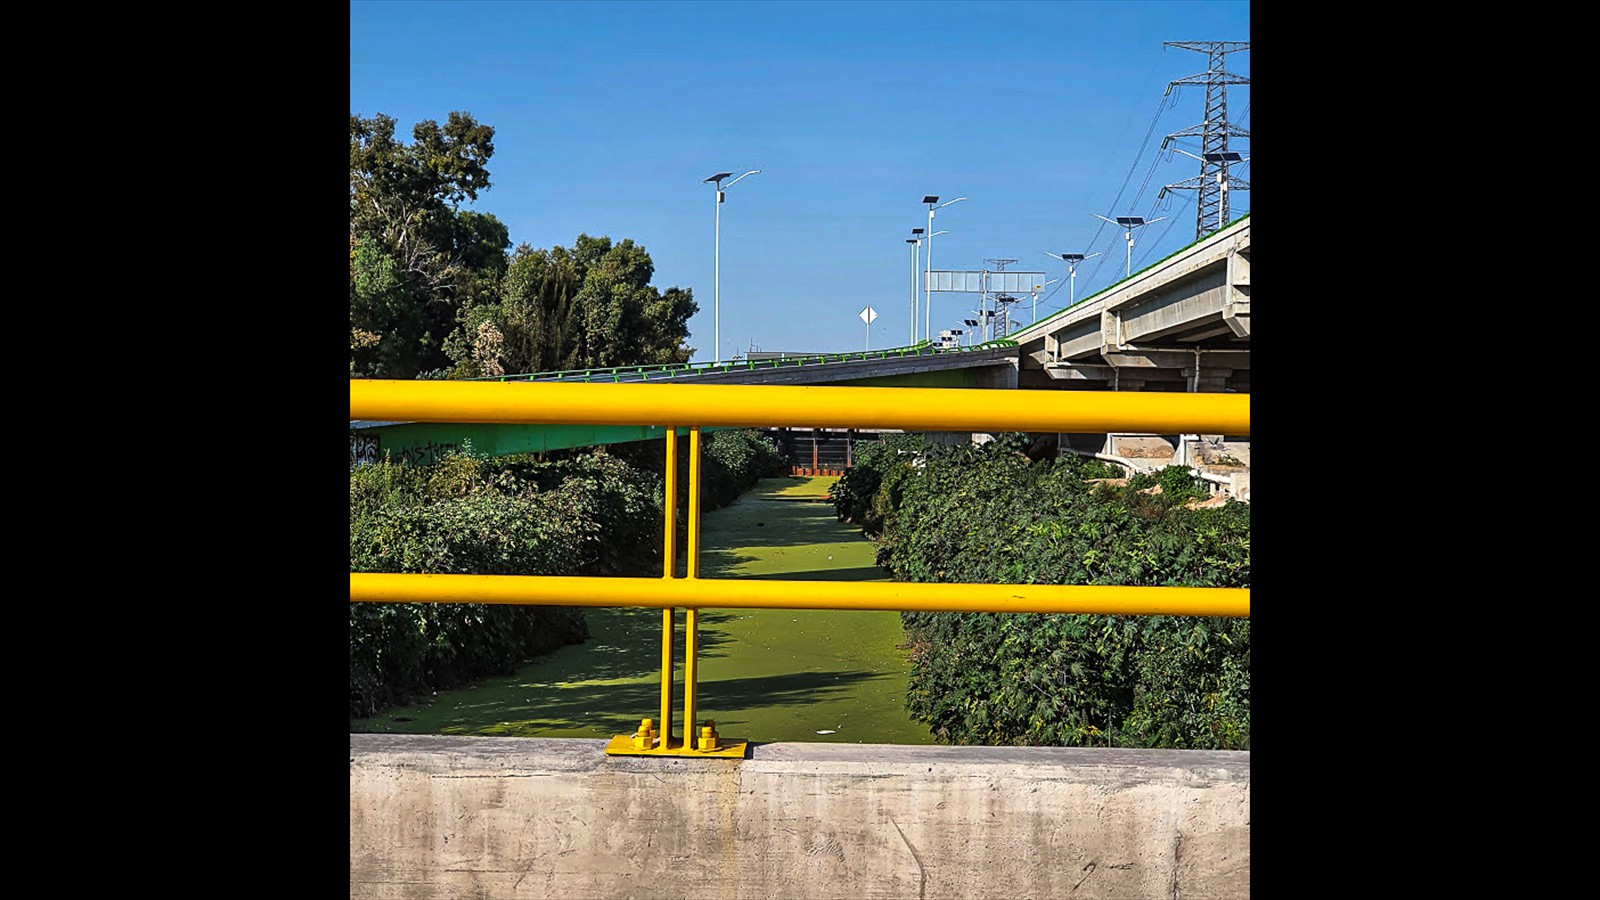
(524, 817)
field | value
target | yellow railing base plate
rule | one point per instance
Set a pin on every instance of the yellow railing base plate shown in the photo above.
(622, 745)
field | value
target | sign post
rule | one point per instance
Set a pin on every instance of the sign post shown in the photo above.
(867, 315)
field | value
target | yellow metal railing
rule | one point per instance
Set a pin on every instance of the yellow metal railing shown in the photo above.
(740, 406)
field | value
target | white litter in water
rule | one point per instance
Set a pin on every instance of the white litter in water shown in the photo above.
(827, 731)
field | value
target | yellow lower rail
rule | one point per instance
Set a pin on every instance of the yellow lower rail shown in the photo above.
(765, 405)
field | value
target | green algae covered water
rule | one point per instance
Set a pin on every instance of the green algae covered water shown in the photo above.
(765, 675)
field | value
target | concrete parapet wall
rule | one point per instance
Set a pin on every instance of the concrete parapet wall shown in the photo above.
(437, 817)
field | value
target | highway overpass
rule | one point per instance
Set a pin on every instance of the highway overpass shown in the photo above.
(1181, 324)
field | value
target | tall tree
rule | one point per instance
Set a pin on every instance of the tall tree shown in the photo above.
(588, 307)
(404, 203)
(386, 325)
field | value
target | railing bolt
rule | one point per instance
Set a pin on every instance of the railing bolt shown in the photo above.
(645, 737)
(708, 736)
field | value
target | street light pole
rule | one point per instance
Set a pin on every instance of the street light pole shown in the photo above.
(916, 256)
(1220, 158)
(927, 333)
(717, 273)
(933, 203)
(1036, 289)
(1129, 223)
(1072, 260)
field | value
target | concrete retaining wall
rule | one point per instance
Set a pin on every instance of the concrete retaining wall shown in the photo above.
(444, 817)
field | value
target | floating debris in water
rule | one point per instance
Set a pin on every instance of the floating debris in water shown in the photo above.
(827, 731)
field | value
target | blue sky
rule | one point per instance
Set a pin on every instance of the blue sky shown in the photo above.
(609, 116)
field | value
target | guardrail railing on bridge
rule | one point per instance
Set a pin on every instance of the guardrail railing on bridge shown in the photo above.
(690, 370)
(694, 406)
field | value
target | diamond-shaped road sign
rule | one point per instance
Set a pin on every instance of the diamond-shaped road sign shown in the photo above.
(868, 315)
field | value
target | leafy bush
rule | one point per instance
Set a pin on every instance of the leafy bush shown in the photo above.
(733, 462)
(988, 514)
(868, 491)
(590, 512)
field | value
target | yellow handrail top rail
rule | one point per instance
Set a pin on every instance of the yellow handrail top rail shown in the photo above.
(755, 594)
(757, 405)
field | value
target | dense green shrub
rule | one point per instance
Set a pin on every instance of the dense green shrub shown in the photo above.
(733, 462)
(988, 514)
(867, 493)
(586, 512)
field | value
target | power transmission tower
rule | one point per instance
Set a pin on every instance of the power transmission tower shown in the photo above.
(1002, 314)
(1213, 182)
(985, 314)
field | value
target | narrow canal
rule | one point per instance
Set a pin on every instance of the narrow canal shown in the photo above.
(765, 675)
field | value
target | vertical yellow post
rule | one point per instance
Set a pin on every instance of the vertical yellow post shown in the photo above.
(690, 650)
(694, 502)
(692, 619)
(669, 542)
(666, 677)
(669, 552)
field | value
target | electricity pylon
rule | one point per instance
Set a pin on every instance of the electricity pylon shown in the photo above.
(1213, 183)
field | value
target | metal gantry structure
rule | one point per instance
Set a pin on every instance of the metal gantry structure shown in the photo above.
(1213, 182)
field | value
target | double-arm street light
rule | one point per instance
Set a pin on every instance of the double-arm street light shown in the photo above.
(1072, 260)
(927, 313)
(717, 276)
(1129, 223)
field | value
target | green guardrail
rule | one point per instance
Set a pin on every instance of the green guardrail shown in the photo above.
(675, 370)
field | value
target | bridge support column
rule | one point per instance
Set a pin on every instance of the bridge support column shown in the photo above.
(1207, 381)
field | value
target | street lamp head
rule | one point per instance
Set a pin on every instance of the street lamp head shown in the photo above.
(937, 233)
(948, 202)
(717, 177)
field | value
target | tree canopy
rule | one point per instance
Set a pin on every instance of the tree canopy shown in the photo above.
(434, 293)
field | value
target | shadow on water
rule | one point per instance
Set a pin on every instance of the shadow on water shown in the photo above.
(625, 642)
(607, 710)
(774, 525)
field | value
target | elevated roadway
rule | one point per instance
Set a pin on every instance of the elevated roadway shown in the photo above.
(1181, 324)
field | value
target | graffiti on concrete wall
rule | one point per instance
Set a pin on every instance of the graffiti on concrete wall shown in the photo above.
(422, 454)
(363, 449)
